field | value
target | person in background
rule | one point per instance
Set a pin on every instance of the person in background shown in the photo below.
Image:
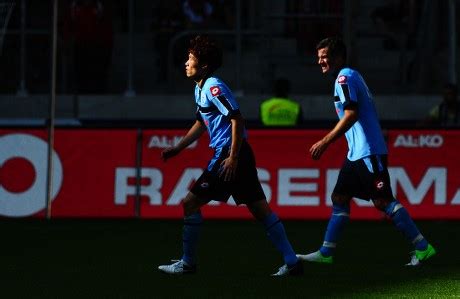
(88, 34)
(397, 21)
(446, 113)
(198, 13)
(168, 20)
(280, 110)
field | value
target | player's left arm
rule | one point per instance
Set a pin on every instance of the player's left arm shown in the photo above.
(229, 165)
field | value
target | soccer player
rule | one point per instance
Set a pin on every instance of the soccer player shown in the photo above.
(364, 173)
(231, 170)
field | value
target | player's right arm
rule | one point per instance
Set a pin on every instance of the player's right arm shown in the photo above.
(193, 134)
(346, 91)
(350, 117)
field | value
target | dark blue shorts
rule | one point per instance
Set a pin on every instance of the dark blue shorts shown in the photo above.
(245, 187)
(366, 178)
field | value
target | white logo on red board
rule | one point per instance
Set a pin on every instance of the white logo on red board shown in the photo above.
(215, 91)
(163, 141)
(415, 140)
(26, 152)
(342, 79)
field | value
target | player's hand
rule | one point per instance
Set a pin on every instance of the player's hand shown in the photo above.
(169, 153)
(228, 168)
(317, 149)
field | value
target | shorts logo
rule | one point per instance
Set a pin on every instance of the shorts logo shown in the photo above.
(215, 90)
(204, 185)
(379, 185)
(342, 79)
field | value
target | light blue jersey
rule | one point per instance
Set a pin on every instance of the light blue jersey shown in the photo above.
(215, 105)
(365, 136)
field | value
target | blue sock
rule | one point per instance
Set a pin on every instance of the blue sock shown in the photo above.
(405, 225)
(339, 218)
(190, 234)
(277, 234)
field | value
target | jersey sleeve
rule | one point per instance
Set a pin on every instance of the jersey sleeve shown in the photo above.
(223, 99)
(346, 90)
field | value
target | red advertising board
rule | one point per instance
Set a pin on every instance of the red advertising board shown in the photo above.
(95, 174)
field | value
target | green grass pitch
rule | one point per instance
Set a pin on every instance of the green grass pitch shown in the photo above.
(118, 259)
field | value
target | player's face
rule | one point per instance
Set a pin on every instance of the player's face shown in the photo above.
(325, 61)
(192, 68)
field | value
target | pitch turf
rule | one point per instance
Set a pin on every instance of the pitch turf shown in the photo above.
(119, 258)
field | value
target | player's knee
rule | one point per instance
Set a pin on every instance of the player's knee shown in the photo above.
(338, 199)
(384, 204)
(341, 209)
(190, 204)
(259, 209)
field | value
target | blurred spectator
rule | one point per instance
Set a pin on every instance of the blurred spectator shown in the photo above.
(280, 110)
(223, 15)
(312, 25)
(447, 112)
(88, 35)
(168, 20)
(198, 13)
(397, 20)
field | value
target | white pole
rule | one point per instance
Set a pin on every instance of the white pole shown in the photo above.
(22, 91)
(130, 92)
(238, 45)
(452, 43)
(52, 106)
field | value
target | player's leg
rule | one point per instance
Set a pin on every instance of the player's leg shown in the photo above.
(339, 218)
(404, 223)
(337, 222)
(192, 226)
(275, 230)
(277, 235)
(246, 189)
(190, 234)
(346, 185)
(382, 197)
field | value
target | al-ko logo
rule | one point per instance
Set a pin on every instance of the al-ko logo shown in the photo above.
(32, 199)
(166, 141)
(433, 141)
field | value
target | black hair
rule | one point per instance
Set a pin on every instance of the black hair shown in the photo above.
(336, 47)
(207, 52)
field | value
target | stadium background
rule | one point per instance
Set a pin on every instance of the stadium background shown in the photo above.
(108, 131)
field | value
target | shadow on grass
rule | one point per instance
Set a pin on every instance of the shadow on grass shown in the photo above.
(119, 259)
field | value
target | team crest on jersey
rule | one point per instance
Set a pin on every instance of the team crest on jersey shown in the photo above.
(379, 185)
(215, 91)
(342, 79)
(204, 185)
